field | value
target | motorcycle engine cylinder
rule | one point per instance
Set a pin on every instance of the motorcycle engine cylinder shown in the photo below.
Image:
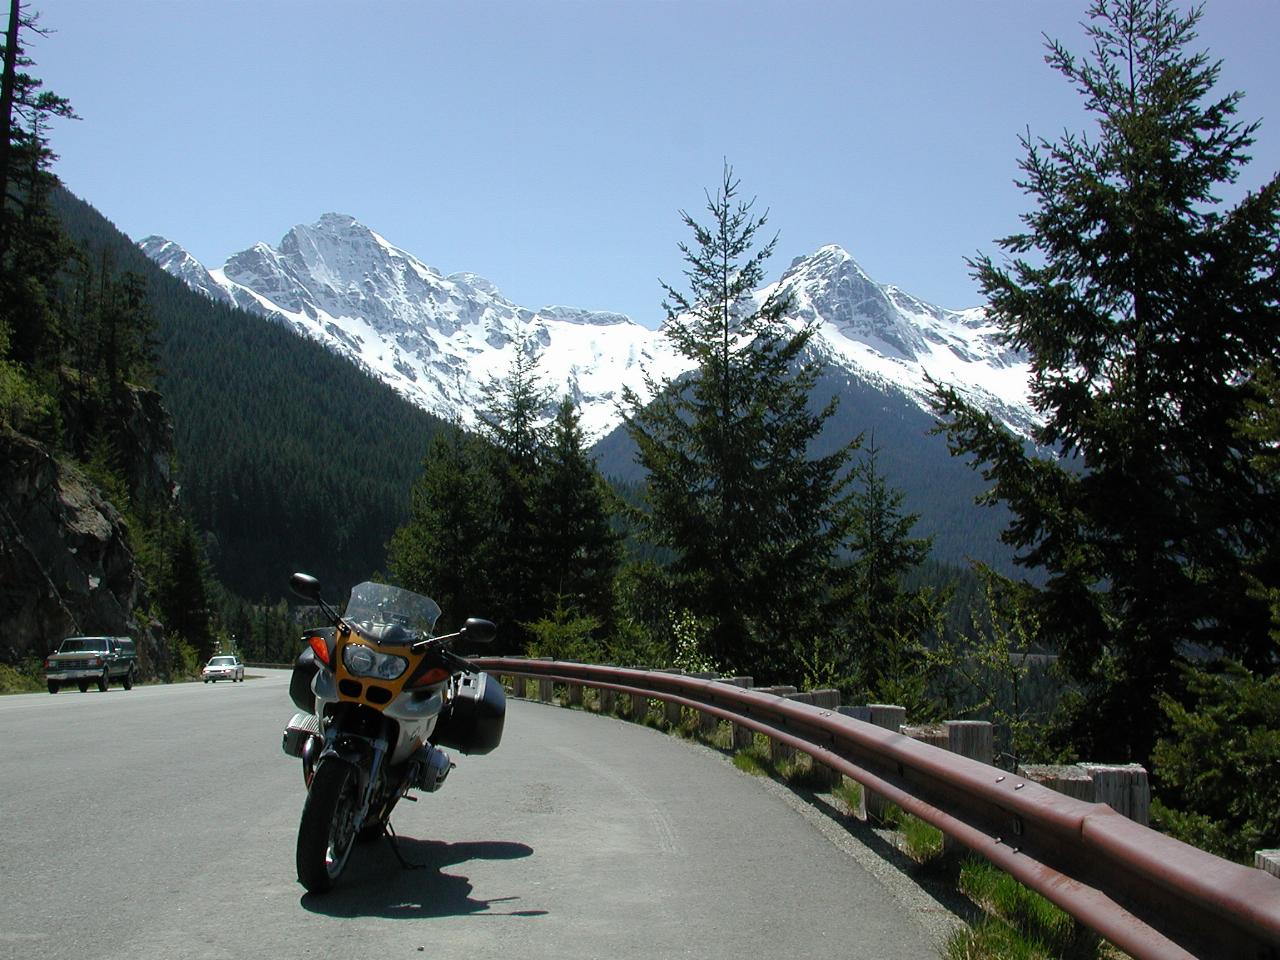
(433, 765)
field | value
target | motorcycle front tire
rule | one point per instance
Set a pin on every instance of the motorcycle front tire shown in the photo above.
(327, 831)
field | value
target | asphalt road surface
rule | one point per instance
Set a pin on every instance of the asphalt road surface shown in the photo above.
(160, 823)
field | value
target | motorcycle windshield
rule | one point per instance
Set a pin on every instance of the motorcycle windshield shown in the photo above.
(376, 608)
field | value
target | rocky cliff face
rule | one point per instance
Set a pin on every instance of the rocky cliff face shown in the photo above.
(67, 565)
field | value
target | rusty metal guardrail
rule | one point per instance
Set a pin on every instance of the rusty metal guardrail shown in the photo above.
(1152, 896)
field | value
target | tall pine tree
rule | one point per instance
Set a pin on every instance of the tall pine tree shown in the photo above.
(32, 248)
(448, 548)
(883, 611)
(753, 522)
(577, 547)
(513, 421)
(1143, 303)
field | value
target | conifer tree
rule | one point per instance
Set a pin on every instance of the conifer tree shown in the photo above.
(448, 548)
(577, 547)
(32, 248)
(1259, 429)
(513, 421)
(1143, 303)
(883, 612)
(753, 522)
(184, 592)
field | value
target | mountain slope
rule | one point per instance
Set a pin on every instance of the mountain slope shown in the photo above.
(290, 458)
(437, 340)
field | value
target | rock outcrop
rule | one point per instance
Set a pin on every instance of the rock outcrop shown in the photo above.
(67, 564)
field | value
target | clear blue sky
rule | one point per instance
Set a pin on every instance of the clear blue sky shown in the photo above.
(548, 145)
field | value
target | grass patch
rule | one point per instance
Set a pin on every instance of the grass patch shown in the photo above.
(849, 792)
(1003, 896)
(27, 677)
(797, 770)
(993, 939)
(890, 816)
(655, 716)
(918, 840)
(921, 841)
(748, 761)
(801, 770)
(1022, 925)
(721, 737)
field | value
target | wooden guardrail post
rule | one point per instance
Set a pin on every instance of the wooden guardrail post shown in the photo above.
(780, 752)
(634, 706)
(671, 711)
(890, 717)
(827, 699)
(968, 738)
(934, 734)
(575, 694)
(708, 724)
(780, 691)
(1068, 778)
(863, 713)
(545, 685)
(974, 739)
(1123, 787)
(1268, 860)
(513, 684)
(744, 738)
(741, 738)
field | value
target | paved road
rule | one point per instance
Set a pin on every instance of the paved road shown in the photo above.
(160, 823)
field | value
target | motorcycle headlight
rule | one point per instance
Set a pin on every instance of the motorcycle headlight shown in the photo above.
(361, 661)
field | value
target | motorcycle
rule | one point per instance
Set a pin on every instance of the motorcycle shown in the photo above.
(378, 698)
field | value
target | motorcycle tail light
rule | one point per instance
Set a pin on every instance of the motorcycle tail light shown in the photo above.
(434, 675)
(320, 649)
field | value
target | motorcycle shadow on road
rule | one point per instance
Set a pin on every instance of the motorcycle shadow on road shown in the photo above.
(375, 884)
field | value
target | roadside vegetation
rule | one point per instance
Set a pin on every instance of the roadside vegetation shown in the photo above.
(25, 677)
(1019, 923)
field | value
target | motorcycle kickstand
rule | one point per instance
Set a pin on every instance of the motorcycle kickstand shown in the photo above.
(389, 832)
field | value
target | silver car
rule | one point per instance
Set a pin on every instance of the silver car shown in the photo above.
(223, 668)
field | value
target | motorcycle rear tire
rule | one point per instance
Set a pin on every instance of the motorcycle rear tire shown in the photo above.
(327, 832)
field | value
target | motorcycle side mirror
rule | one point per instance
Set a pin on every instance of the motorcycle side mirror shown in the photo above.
(305, 586)
(476, 630)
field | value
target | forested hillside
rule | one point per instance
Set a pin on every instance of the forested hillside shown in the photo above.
(290, 458)
(937, 486)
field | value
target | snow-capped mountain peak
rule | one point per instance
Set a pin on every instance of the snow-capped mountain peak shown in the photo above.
(438, 340)
(900, 341)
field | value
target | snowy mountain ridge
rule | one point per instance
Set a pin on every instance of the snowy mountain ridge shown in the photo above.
(438, 340)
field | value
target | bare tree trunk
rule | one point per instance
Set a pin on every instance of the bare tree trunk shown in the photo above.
(7, 87)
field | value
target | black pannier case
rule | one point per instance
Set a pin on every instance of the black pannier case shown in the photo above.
(304, 671)
(305, 667)
(473, 724)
